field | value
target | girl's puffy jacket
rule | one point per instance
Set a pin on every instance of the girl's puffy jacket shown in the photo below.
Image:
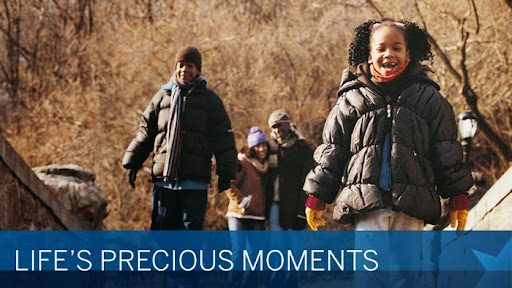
(426, 158)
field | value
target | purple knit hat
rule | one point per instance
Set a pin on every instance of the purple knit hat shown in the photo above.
(256, 136)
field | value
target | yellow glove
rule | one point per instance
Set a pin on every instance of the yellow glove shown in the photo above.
(459, 217)
(314, 218)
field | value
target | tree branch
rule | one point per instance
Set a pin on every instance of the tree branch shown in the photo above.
(4, 71)
(477, 19)
(305, 95)
(440, 53)
(293, 70)
(370, 2)
(333, 90)
(472, 100)
(501, 148)
(509, 3)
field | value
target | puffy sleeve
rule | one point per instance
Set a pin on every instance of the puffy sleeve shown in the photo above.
(142, 145)
(324, 180)
(453, 177)
(221, 139)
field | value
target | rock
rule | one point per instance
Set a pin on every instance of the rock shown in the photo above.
(74, 187)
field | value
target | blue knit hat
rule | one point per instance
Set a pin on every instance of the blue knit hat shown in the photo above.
(256, 136)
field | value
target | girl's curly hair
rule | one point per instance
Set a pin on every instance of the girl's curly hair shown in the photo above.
(415, 38)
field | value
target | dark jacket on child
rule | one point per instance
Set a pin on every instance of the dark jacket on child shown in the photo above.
(426, 158)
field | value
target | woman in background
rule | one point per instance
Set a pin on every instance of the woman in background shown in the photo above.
(246, 210)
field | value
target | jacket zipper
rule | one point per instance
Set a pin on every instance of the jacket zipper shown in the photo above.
(389, 110)
(182, 132)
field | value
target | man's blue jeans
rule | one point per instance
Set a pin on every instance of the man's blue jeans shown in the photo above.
(177, 209)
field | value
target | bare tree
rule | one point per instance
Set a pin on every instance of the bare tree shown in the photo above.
(11, 32)
(500, 147)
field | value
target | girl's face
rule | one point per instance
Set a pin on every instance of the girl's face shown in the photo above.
(186, 71)
(388, 50)
(261, 151)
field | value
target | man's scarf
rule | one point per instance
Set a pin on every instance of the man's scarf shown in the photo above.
(174, 123)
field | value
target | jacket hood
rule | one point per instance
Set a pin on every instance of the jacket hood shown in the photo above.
(348, 80)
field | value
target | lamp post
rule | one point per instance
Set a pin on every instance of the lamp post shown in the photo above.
(467, 124)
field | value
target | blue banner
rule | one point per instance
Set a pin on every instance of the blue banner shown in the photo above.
(255, 258)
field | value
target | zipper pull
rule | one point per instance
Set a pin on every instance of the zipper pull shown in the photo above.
(388, 110)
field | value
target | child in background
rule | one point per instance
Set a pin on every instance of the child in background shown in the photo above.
(246, 210)
(390, 142)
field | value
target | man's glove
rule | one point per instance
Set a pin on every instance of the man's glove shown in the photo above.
(314, 218)
(132, 176)
(224, 184)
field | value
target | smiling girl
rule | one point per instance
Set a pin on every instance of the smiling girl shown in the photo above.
(390, 143)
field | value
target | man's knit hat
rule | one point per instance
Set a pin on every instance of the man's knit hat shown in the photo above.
(278, 116)
(190, 54)
(255, 137)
